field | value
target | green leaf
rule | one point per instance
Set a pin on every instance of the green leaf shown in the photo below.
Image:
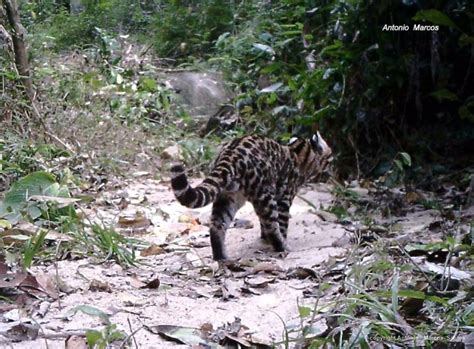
(271, 68)
(33, 184)
(436, 17)
(398, 164)
(412, 294)
(32, 247)
(93, 338)
(304, 311)
(33, 211)
(406, 158)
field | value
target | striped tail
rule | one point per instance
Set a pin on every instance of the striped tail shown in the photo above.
(202, 195)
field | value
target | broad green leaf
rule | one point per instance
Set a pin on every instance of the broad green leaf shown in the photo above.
(93, 338)
(398, 164)
(436, 17)
(33, 211)
(406, 158)
(35, 183)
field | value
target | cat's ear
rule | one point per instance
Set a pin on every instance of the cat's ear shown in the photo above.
(319, 143)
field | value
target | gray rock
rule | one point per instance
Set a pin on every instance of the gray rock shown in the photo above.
(201, 94)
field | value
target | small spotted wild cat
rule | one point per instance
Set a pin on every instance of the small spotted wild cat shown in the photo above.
(259, 170)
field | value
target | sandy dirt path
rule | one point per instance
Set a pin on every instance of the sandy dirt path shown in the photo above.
(193, 291)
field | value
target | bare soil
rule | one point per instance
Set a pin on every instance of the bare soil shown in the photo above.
(194, 290)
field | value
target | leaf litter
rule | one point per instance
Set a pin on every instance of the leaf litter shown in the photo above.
(178, 292)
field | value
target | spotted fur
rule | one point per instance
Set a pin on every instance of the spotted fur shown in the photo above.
(259, 170)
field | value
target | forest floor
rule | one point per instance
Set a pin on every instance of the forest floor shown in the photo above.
(178, 291)
(260, 288)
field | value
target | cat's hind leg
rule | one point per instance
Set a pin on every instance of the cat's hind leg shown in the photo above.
(223, 212)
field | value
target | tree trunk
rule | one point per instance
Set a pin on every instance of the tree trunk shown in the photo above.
(19, 46)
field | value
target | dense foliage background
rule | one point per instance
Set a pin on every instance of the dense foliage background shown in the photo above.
(329, 64)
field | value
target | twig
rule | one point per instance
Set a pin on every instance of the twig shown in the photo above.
(57, 273)
(402, 249)
(469, 200)
(144, 52)
(57, 139)
(131, 335)
(63, 334)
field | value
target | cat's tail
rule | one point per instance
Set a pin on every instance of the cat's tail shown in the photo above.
(202, 195)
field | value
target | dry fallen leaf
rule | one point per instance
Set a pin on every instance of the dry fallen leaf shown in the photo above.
(250, 290)
(76, 342)
(48, 284)
(412, 197)
(153, 284)
(266, 267)
(99, 286)
(43, 308)
(301, 273)
(18, 234)
(411, 306)
(206, 327)
(259, 281)
(152, 250)
(22, 332)
(136, 220)
(188, 219)
(184, 335)
(32, 286)
(12, 280)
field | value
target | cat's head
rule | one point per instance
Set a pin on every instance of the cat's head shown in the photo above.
(314, 156)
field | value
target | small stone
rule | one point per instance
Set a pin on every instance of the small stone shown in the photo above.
(171, 153)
